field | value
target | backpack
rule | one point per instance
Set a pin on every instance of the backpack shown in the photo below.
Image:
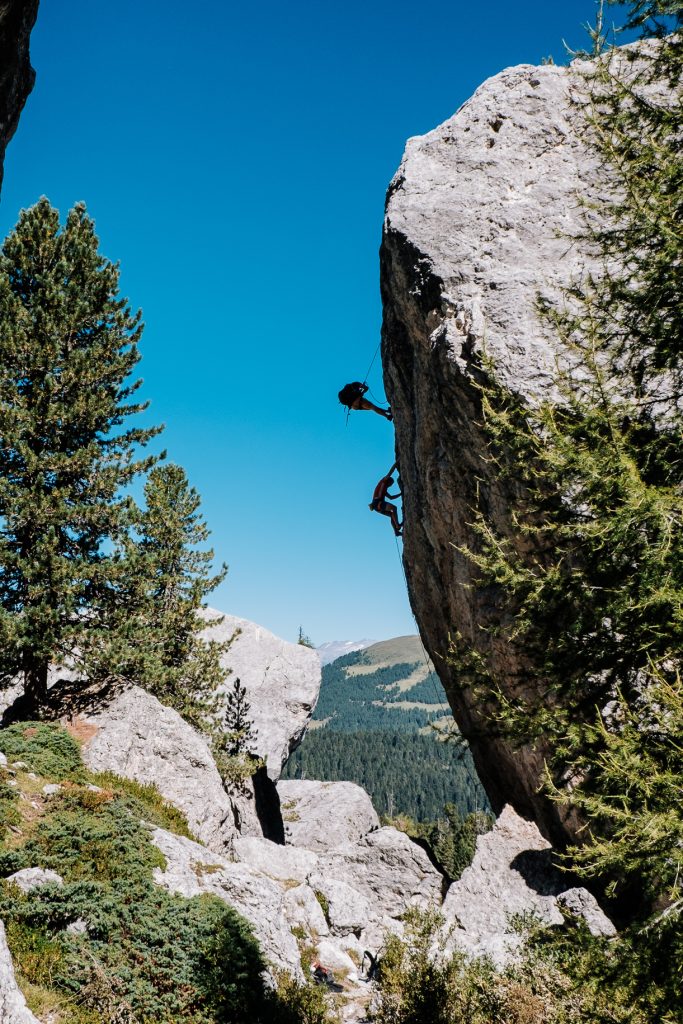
(350, 392)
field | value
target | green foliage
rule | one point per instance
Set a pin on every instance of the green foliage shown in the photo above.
(147, 955)
(148, 799)
(304, 640)
(68, 344)
(47, 749)
(564, 976)
(165, 577)
(451, 838)
(406, 773)
(588, 570)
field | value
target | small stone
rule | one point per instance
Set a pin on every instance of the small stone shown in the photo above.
(19, 764)
(94, 789)
(3, 760)
(77, 927)
(33, 878)
(51, 789)
(32, 775)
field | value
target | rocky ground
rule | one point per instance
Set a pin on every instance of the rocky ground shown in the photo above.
(340, 882)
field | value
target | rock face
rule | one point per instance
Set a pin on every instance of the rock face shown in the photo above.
(137, 737)
(321, 816)
(17, 18)
(191, 870)
(282, 682)
(470, 239)
(13, 1008)
(512, 874)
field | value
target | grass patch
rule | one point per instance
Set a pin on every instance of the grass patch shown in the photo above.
(47, 749)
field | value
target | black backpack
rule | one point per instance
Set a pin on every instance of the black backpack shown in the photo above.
(350, 392)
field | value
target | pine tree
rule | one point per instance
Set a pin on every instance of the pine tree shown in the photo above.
(68, 345)
(239, 732)
(160, 640)
(589, 568)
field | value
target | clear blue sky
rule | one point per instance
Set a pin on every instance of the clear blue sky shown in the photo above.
(235, 159)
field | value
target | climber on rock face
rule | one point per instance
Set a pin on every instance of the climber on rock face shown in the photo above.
(384, 507)
(353, 397)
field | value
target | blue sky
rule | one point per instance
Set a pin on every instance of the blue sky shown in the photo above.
(235, 160)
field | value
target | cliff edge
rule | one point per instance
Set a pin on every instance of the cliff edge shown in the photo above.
(476, 227)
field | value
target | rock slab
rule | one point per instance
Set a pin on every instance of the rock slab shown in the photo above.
(321, 816)
(473, 232)
(512, 876)
(282, 681)
(137, 737)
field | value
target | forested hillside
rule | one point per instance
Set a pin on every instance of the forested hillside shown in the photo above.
(380, 721)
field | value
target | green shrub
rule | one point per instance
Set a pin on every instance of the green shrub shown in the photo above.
(94, 835)
(148, 799)
(47, 749)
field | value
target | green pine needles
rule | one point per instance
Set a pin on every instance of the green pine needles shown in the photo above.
(68, 345)
(588, 568)
(89, 580)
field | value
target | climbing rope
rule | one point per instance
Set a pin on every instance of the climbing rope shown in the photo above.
(372, 362)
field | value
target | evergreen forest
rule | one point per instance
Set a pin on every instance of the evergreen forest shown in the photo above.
(370, 734)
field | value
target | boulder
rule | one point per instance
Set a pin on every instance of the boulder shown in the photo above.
(476, 226)
(322, 816)
(17, 18)
(137, 737)
(282, 681)
(191, 870)
(512, 875)
(388, 869)
(13, 1008)
(303, 910)
(286, 863)
(346, 910)
(33, 878)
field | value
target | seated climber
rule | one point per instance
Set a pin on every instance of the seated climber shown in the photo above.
(384, 507)
(321, 975)
(353, 397)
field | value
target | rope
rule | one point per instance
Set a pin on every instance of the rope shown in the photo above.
(372, 362)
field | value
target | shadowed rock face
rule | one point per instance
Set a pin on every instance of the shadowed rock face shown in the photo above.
(17, 18)
(471, 237)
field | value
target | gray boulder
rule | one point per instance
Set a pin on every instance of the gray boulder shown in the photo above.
(137, 737)
(191, 870)
(322, 816)
(286, 863)
(33, 878)
(388, 869)
(511, 875)
(282, 682)
(13, 1008)
(476, 226)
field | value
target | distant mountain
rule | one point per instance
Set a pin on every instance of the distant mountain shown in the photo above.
(380, 721)
(334, 649)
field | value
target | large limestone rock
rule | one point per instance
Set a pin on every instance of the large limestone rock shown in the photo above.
(17, 18)
(135, 736)
(385, 867)
(471, 236)
(512, 875)
(191, 869)
(282, 682)
(321, 816)
(13, 1008)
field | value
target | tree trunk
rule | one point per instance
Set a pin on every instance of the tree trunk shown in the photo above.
(35, 682)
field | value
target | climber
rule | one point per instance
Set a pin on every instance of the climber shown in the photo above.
(384, 507)
(353, 397)
(321, 975)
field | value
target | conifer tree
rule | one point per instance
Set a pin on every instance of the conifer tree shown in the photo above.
(68, 345)
(240, 734)
(590, 567)
(166, 576)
